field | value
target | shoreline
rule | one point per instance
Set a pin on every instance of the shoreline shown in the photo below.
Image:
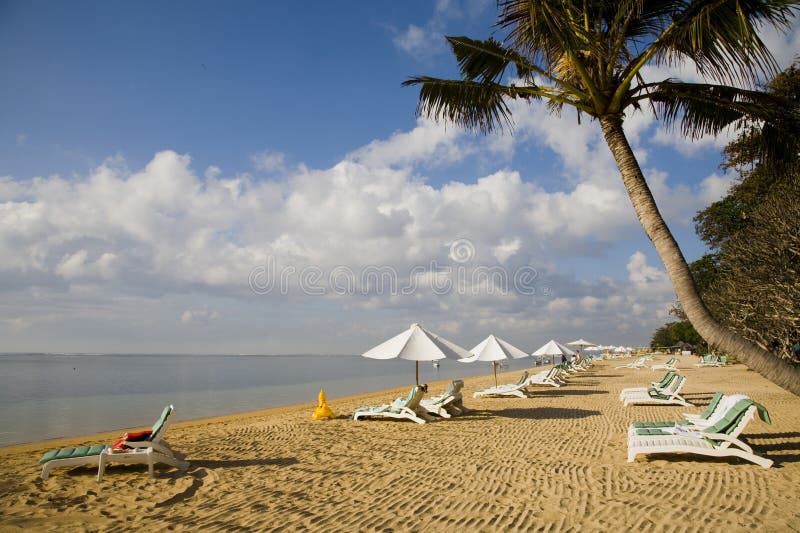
(113, 434)
(554, 461)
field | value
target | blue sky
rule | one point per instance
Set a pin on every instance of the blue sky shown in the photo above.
(152, 155)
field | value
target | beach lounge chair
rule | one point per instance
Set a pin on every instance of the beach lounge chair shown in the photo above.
(662, 384)
(669, 364)
(718, 440)
(448, 403)
(639, 363)
(547, 377)
(709, 360)
(712, 406)
(719, 405)
(668, 396)
(152, 450)
(402, 408)
(511, 389)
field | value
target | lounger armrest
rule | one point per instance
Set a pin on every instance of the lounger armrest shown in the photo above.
(727, 438)
(157, 446)
(138, 444)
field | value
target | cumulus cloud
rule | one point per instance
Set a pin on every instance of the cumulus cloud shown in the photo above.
(424, 40)
(268, 161)
(419, 42)
(128, 239)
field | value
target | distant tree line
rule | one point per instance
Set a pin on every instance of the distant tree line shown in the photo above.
(750, 279)
(679, 335)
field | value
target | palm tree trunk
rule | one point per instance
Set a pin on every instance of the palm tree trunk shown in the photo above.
(756, 358)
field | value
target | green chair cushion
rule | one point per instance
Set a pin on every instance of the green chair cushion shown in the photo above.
(160, 422)
(712, 405)
(650, 425)
(71, 453)
(652, 432)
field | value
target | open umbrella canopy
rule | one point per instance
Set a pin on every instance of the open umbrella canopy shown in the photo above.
(553, 348)
(493, 350)
(581, 343)
(417, 344)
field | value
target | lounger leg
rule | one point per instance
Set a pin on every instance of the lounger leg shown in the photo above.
(45, 471)
(101, 467)
(150, 462)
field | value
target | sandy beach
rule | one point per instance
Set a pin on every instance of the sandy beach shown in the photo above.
(555, 461)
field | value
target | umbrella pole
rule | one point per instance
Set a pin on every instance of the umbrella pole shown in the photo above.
(417, 364)
(494, 366)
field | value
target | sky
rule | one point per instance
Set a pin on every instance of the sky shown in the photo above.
(250, 177)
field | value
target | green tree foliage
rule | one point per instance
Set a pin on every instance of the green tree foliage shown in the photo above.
(678, 334)
(765, 155)
(757, 290)
(751, 281)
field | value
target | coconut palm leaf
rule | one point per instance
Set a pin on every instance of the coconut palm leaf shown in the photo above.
(705, 109)
(720, 34)
(478, 106)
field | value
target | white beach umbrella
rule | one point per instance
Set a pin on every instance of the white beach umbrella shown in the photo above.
(553, 348)
(417, 344)
(494, 350)
(580, 343)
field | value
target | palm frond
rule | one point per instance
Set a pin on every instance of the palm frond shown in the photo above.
(546, 30)
(487, 60)
(721, 37)
(705, 109)
(469, 104)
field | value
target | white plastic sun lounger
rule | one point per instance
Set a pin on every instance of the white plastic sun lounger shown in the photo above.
(709, 360)
(153, 450)
(719, 440)
(547, 377)
(667, 365)
(716, 410)
(512, 389)
(407, 408)
(659, 385)
(639, 363)
(448, 403)
(149, 452)
(668, 396)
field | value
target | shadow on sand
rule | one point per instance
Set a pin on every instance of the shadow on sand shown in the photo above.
(544, 412)
(565, 391)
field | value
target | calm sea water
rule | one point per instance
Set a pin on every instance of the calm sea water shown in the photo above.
(45, 396)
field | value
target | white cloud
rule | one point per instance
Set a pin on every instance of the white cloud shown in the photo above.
(269, 161)
(506, 249)
(419, 42)
(22, 139)
(137, 238)
(74, 266)
(689, 147)
(430, 142)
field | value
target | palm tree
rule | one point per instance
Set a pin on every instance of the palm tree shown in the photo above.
(589, 54)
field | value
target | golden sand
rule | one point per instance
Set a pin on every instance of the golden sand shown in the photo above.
(555, 461)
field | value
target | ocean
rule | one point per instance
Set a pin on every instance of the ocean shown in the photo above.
(45, 396)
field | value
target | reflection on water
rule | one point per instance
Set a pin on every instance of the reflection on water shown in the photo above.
(47, 395)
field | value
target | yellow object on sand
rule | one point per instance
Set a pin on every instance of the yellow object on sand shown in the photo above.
(322, 412)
